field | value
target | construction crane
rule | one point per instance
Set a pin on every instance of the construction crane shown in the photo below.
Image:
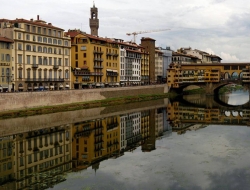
(142, 32)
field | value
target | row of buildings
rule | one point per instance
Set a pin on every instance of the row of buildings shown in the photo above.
(36, 55)
(40, 158)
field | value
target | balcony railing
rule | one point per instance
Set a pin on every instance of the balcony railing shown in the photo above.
(35, 66)
(98, 52)
(55, 66)
(44, 80)
(98, 67)
(112, 74)
(81, 73)
(98, 59)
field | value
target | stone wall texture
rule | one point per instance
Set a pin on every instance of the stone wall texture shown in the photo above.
(23, 100)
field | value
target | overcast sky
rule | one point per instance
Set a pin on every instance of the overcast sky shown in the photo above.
(221, 27)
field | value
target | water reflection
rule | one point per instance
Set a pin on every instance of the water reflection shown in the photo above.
(237, 97)
(127, 142)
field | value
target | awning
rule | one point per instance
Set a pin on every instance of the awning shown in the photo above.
(46, 87)
(67, 86)
(28, 88)
(61, 86)
(78, 68)
(35, 87)
(52, 87)
(40, 86)
(109, 70)
(98, 84)
(84, 84)
(115, 71)
(117, 84)
(20, 87)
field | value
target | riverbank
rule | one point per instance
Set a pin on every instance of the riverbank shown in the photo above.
(81, 105)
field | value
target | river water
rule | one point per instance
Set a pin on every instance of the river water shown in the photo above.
(181, 144)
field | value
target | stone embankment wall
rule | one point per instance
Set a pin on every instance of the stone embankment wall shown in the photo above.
(22, 100)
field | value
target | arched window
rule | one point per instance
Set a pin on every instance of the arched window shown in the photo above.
(44, 50)
(50, 41)
(44, 40)
(40, 49)
(28, 47)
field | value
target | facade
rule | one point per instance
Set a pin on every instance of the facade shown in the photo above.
(95, 141)
(41, 55)
(6, 64)
(182, 58)
(149, 45)
(94, 61)
(94, 21)
(145, 67)
(203, 56)
(131, 56)
(42, 157)
(158, 65)
(167, 60)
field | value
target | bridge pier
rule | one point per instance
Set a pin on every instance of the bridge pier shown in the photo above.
(209, 89)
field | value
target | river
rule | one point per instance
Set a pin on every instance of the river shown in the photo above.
(180, 144)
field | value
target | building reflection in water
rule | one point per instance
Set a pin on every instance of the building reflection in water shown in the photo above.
(41, 158)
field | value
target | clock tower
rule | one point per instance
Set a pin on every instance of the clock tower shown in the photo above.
(94, 21)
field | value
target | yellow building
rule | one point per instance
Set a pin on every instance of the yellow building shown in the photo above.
(41, 54)
(5, 64)
(94, 60)
(94, 141)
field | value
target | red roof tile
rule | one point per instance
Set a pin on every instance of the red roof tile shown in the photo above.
(3, 39)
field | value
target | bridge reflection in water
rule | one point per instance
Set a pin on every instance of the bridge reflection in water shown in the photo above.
(40, 152)
(198, 111)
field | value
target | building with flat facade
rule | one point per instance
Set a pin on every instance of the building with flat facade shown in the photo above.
(41, 54)
(158, 65)
(6, 64)
(94, 61)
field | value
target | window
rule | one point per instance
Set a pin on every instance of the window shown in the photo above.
(66, 52)
(34, 48)
(39, 39)
(20, 74)
(20, 58)
(44, 50)
(60, 51)
(55, 60)
(66, 74)
(59, 61)
(59, 34)
(83, 48)
(39, 30)
(84, 55)
(59, 42)
(28, 59)
(49, 32)
(19, 36)
(66, 62)
(50, 41)
(28, 73)
(40, 60)
(54, 50)
(33, 29)
(27, 28)
(50, 60)
(54, 41)
(34, 60)
(28, 47)
(66, 43)
(45, 61)
(34, 38)
(40, 76)
(44, 31)
(8, 57)
(27, 37)
(54, 33)
(45, 76)
(19, 46)
(39, 49)
(50, 50)
(44, 40)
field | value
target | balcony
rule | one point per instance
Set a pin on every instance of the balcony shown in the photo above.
(35, 66)
(96, 73)
(115, 54)
(97, 52)
(98, 67)
(112, 74)
(98, 59)
(81, 73)
(55, 66)
(109, 53)
(44, 80)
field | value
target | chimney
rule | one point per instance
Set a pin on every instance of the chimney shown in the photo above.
(31, 19)
(49, 24)
(37, 17)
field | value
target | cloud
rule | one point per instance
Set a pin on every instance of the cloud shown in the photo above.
(229, 58)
